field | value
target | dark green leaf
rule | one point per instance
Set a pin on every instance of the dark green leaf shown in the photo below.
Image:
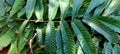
(68, 38)
(84, 37)
(50, 41)
(109, 34)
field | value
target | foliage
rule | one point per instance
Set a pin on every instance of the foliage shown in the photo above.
(60, 26)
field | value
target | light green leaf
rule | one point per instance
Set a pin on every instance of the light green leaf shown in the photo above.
(2, 8)
(108, 48)
(109, 34)
(76, 6)
(112, 6)
(6, 38)
(53, 7)
(21, 13)
(83, 37)
(50, 41)
(68, 38)
(92, 5)
(39, 10)
(116, 49)
(18, 5)
(30, 8)
(21, 42)
(13, 47)
(110, 22)
(64, 6)
(79, 48)
(101, 8)
(59, 42)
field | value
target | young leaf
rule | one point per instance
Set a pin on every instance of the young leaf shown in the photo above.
(64, 6)
(13, 47)
(50, 41)
(109, 34)
(18, 5)
(83, 37)
(53, 7)
(68, 38)
(39, 10)
(30, 8)
(59, 42)
(76, 6)
(93, 4)
(113, 5)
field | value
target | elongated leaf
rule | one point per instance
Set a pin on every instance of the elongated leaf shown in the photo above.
(111, 23)
(21, 13)
(39, 10)
(113, 5)
(64, 6)
(50, 41)
(109, 34)
(59, 42)
(53, 7)
(100, 9)
(93, 4)
(68, 38)
(11, 2)
(21, 42)
(108, 48)
(6, 38)
(2, 8)
(76, 6)
(84, 37)
(116, 49)
(79, 48)
(13, 47)
(30, 8)
(18, 5)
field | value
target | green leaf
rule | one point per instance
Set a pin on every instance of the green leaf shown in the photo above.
(110, 22)
(13, 47)
(109, 34)
(39, 10)
(64, 6)
(68, 38)
(18, 5)
(30, 8)
(101, 8)
(112, 6)
(2, 8)
(116, 49)
(6, 38)
(11, 2)
(50, 41)
(59, 42)
(21, 13)
(92, 5)
(79, 48)
(21, 43)
(76, 6)
(53, 7)
(4, 22)
(83, 37)
(108, 48)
